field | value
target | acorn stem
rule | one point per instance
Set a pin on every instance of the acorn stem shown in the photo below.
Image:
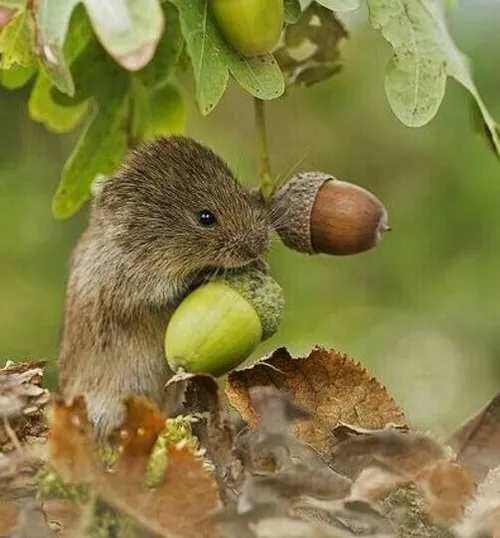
(266, 181)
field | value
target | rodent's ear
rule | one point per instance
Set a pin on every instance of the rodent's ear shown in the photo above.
(97, 185)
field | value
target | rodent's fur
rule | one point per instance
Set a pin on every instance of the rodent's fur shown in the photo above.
(141, 251)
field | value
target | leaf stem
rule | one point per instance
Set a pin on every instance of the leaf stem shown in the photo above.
(266, 181)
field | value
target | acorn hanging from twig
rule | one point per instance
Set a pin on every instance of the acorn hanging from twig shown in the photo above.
(316, 213)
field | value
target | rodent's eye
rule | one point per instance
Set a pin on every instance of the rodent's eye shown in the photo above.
(206, 218)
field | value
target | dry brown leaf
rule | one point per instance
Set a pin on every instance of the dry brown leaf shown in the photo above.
(447, 487)
(180, 505)
(71, 450)
(204, 399)
(407, 511)
(287, 527)
(375, 483)
(330, 385)
(61, 513)
(31, 522)
(22, 433)
(384, 461)
(477, 441)
(22, 402)
(9, 511)
(405, 453)
(482, 514)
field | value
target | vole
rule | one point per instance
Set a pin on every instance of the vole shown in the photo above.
(172, 214)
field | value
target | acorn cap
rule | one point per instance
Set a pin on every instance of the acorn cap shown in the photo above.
(315, 212)
(292, 207)
(264, 294)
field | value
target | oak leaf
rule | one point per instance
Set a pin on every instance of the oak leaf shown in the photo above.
(477, 441)
(332, 386)
(179, 505)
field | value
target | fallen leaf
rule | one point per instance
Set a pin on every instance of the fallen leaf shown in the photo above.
(71, 450)
(330, 385)
(204, 400)
(376, 483)
(358, 517)
(477, 441)
(406, 509)
(31, 521)
(9, 512)
(403, 453)
(179, 505)
(23, 398)
(61, 513)
(447, 488)
(482, 514)
(287, 527)
(383, 461)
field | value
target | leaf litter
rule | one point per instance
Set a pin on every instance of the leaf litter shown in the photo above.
(320, 450)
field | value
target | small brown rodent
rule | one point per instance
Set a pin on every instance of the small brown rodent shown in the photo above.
(172, 214)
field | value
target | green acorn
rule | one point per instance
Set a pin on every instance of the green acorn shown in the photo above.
(252, 27)
(219, 324)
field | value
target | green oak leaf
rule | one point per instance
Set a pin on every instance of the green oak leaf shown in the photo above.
(13, 3)
(261, 76)
(95, 75)
(42, 106)
(100, 150)
(17, 76)
(339, 5)
(158, 112)
(167, 53)
(310, 49)
(205, 47)
(212, 59)
(424, 56)
(6, 15)
(16, 42)
(128, 29)
(292, 11)
(52, 19)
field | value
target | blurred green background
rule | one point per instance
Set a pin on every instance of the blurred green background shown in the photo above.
(421, 311)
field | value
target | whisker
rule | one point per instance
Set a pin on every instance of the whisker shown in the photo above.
(280, 178)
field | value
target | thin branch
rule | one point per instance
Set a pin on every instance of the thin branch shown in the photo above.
(266, 181)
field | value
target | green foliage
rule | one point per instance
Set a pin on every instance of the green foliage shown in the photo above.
(292, 11)
(339, 5)
(116, 66)
(100, 149)
(424, 56)
(317, 36)
(213, 59)
(15, 43)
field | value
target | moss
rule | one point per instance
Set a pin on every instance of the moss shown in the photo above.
(51, 485)
(177, 430)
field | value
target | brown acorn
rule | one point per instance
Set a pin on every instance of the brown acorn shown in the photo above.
(316, 213)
